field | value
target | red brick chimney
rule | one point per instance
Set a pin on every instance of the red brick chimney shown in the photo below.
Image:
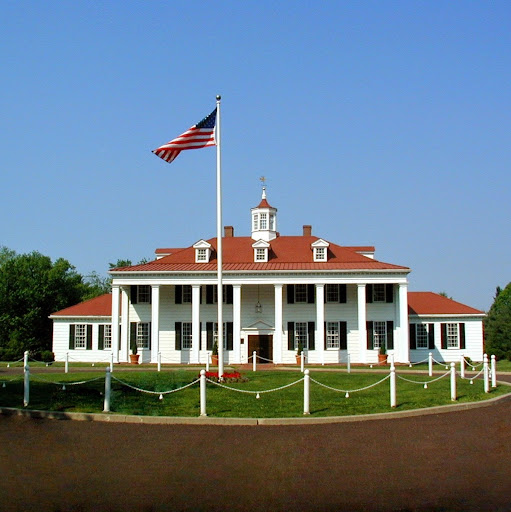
(228, 231)
(307, 230)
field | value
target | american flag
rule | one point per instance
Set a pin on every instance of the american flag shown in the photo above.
(198, 136)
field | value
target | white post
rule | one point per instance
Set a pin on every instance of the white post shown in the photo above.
(66, 366)
(462, 366)
(430, 364)
(25, 359)
(108, 389)
(159, 361)
(254, 361)
(493, 371)
(112, 362)
(453, 382)
(302, 361)
(208, 355)
(393, 394)
(349, 363)
(486, 374)
(306, 393)
(26, 385)
(203, 393)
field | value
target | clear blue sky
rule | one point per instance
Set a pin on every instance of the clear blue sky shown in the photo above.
(381, 123)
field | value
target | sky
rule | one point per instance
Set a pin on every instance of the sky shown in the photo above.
(382, 123)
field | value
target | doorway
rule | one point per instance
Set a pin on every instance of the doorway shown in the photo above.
(263, 345)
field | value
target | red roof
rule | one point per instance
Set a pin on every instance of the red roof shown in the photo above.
(286, 253)
(99, 306)
(429, 303)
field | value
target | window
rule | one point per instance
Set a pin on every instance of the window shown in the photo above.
(332, 335)
(272, 222)
(141, 294)
(80, 336)
(320, 254)
(186, 333)
(300, 293)
(380, 334)
(202, 255)
(452, 335)
(107, 336)
(224, 334)
(421, 336)
(260, 254)
(263, 221)
(143, 335)
(332, 292)
(255, 222)
(187, 293)
(301, 335)
(378, 293)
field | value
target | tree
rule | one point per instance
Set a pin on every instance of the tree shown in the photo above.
(497, 324)
(95, 285)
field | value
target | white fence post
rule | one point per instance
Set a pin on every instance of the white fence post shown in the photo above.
(67, 363)
(453, 382)
(430, 364)
(462, 366)
(493, 371)
(486, 374)
(254, 361)
(25, 359)
(208, 355)
(112, 362)
(203, 393)
(26, 386)
(393, 394)
(302, 361)
(108, 389)
(306, 393)
(349, 363)
(159, 361)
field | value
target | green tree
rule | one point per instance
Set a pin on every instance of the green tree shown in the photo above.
(497, 324)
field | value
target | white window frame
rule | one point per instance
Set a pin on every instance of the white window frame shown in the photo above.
(202, 255)
(453, 336)
(319, 253)
(107, 337)
(186, 336)
(379, 334)
(332, 293)
(301, 335)
(143, 294)
(80, 337)
(272, 222)
(261, 254)
(421, 336)
(379, 292)
(255, 222)
(333, 339)
(224, 334)
(300, 291)
(186, 297)
(143, 334)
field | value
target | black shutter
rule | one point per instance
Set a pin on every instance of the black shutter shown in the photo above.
(228, 294)
(324, 334)
(389, 292)
(343, 335)
(431, 337)
(89, 337)
(133, 335)
(390, 335)
(134, 294)
(209, 335)
(209, 294)
(230, 335)
(150, 295)
(310, 328)
(311, 292)
(290, 293)
(290, 334)
(71, 337)
(413, 342)
(462, 336)
(101, 337)
(149, 335)
(120, 331)
(342, 294)
(370, 337)
(444, 335)
(178, 335)
(369, 293)
(179, 294)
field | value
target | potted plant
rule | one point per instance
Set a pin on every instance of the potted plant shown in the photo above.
(134, 356)
(214, 354)
(299, 352)
(382, 355)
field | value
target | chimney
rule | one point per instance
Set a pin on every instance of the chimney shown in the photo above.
(307, 230)
(228, 231)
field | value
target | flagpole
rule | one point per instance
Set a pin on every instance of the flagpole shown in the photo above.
(219, 241)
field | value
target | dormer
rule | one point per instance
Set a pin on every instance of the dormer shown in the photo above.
(320, 250)
(264, 220)
(261, 248)
(202, 251)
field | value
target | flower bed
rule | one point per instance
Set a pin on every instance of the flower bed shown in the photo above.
(227, 377)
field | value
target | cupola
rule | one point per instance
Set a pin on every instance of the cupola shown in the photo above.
(264, 220)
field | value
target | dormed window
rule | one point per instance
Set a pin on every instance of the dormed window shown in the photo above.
(202, 251)
(261, 249)
(320, 250)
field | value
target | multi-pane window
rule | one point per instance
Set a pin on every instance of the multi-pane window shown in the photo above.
(260, 254)
(380, 334)
(143, 335)
(80, 336)
(452, 335)
(320, 253)
(186, 335)
(202, 255)
(224, 334)
(378, 293)
(107, 336)
(332, 292)
(301, 335)
(272, 222)
(332, 335)
(300, 293)
(263, 221)
(187, 294)
(421, 336)
(255, 222)
(144, 294)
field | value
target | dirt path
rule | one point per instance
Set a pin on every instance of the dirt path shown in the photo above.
(459, 461)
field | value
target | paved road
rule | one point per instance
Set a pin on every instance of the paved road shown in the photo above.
(459, 461)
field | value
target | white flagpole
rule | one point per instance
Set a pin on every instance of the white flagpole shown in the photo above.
(219, 241)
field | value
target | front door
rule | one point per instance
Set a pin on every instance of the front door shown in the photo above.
(263, 345)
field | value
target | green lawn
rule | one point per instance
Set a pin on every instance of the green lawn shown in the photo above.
(88, 397)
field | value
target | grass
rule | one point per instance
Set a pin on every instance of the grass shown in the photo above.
(88, 397)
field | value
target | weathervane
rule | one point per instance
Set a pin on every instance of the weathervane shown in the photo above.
(262, 179)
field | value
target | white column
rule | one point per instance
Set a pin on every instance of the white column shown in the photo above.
(196, 334)
(125, 325)
(155, 322)
(277, 337)
(115, 322)
(401, 344)
(320, 322)
(362, 318)
(236, 323)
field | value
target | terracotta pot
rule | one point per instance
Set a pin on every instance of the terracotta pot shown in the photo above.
(299, 360)
(214, 360)
(134, 358)
(382, 358)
